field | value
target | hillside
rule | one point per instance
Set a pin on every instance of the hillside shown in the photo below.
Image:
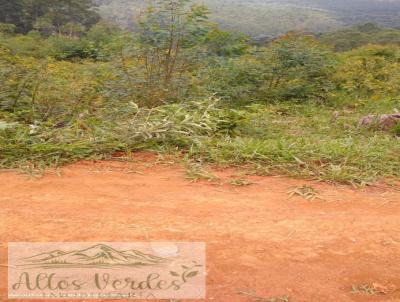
(274, 17)
(356, 36)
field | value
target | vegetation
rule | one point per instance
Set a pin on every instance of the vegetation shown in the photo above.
(363, 34)
(181, 84)
(267, 18)
(68, 17)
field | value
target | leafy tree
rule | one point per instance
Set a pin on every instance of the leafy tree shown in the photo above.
(225, 43)
(168, 35)
(11, 12)
(167, 47)
(48, 16)
(294, 67)
(297, 67)
(103, 33)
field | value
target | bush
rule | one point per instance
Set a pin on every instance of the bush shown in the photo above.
(370, 71)
(30, 45)
(297, 67)
(292, 68)
(396, 129)
(68, 48)
(47, 90)
(7, 28)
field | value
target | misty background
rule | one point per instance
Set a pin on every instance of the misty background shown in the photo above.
(274, 17)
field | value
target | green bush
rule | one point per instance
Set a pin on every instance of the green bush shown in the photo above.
(292, 68)
(68, 48)
(7, 28)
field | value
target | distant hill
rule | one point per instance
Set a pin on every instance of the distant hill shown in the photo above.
(356, 36)
(383, 12)
(274, 17)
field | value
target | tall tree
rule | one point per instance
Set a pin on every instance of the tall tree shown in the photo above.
(156, 62)
(48, 16)
(169, 33)
(11, 11)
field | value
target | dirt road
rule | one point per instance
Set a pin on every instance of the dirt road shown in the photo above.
(258, 239)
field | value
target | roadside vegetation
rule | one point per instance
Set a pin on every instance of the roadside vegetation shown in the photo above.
(179, 84)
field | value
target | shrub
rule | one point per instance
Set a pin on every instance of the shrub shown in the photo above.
(293, 68)
(67, 48)
(370, 71)
(296, 67)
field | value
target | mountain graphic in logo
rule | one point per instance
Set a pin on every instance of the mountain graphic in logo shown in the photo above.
(99, 255)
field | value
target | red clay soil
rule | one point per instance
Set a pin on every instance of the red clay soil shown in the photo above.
(258, 239)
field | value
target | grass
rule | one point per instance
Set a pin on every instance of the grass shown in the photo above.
(196, 172)
(364, 289)
(241, 182)
(298, 140)
(303, 141)
(306, 192)
(255, 298)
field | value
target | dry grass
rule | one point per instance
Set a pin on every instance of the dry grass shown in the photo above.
(306, 192)
(255, 298)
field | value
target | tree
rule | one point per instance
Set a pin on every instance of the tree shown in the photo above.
(224, 43)
(169, 34)
(11, 12)
(167, 46)
(48, 16)
(297, 67)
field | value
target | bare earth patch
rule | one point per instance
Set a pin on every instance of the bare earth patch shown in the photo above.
(262, 243)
